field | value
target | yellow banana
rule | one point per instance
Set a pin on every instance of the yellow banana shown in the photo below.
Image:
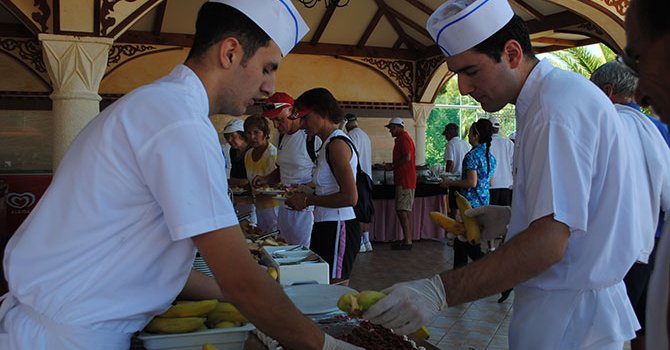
(209, 347)
(356, 303)
(227, 324)
(225, 312)
(190, 308)
(447, 223)
(471, 226)
(175, 325)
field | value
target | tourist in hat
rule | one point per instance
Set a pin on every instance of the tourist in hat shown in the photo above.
(112, 242)
(647, 53)
(296, 155)
(364, 146)
(569, 238)
(404, 178)
(239, 145)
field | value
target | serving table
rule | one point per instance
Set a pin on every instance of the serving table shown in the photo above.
(385, 225)
(253, 343)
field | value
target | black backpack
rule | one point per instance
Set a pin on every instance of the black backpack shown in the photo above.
(363, 209)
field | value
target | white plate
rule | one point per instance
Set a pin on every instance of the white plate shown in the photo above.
(314, 299)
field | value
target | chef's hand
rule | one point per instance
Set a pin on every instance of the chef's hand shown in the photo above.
(492, 220)
(331, 343)
(259, 181)
(409, 305)
(297, 201)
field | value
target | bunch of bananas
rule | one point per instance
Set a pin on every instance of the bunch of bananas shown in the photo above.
(468, 228)
(190, 316)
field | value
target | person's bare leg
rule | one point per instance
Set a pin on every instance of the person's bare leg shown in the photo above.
(404, 217)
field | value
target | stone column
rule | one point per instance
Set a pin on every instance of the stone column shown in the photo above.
(76, 66)
(420, 113)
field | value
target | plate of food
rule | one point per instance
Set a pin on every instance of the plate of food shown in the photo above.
(271, 191)
(238, 190)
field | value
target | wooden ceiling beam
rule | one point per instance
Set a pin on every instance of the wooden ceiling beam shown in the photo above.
(158, 21)
(578, 43)
(555, 41)
(397, 43)
(370, 28)
(409, 41)
(418, 4)
(530, 9)
(324, 22)
(351, 50)
(555, 21)
(410, 23)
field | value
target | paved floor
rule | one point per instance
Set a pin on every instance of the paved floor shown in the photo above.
(480, 325)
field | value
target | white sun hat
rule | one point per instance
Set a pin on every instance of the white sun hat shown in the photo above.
(233, 126)
(279, 19)
(459, 25)
(396, 121)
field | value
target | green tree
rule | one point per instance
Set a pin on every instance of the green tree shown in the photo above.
(583, 60)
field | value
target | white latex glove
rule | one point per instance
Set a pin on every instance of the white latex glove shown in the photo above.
(409, 305)
(492, 220)
(330, 343)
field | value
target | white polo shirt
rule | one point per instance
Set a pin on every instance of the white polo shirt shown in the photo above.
(503, 150)
(108, 245)
(455, 151)
(295, 165)
(364, 146)
(571, 160)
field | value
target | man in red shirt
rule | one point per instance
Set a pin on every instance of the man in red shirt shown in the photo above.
(404, 177)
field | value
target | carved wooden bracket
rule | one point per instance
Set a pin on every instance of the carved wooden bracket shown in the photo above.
(28, 52)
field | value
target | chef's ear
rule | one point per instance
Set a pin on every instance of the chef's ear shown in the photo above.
(230, 52)
(513, 53)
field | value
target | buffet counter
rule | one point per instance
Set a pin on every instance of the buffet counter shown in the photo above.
(385, 226)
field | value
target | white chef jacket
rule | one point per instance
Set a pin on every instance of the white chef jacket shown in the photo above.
(658, 295)
(570, 160)
(327, 184)
(503, 151)
(455, 151)
(362, 142)
(107, 246)
(651, 160)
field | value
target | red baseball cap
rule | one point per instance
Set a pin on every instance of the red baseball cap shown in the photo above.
(276, 103)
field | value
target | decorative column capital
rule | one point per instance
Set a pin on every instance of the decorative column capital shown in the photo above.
(75, 64)
(421, 112)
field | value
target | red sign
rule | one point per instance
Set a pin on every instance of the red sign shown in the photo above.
(23, 192)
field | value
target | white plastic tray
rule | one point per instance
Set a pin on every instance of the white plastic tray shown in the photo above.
(222, 338)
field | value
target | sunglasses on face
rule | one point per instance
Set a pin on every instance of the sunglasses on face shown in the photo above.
(267, 107)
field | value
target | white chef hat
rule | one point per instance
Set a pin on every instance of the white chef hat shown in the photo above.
(459, 25)
(279, 19)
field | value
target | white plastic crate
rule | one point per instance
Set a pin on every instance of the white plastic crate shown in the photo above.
(222, 338)
(286, 260)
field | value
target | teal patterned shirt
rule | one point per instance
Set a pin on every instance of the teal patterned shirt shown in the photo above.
(476, 160)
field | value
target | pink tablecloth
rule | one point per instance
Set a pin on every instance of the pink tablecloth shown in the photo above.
(386, 227)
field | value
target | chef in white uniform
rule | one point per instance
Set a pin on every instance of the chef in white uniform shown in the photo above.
(570, 231)
(294, 167)
(112, 242)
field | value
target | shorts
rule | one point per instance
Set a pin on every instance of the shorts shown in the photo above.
(404, 198)
(337, 242)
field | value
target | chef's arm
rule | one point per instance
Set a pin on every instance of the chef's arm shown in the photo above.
(256, 295)
(200, 287)
(521, 258)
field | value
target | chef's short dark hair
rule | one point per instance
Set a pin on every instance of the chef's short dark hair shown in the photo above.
(217, 21)
(515, 29)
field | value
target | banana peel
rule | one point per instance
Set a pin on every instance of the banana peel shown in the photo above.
(190, 308)
(447, 223)
(472, 232)
(355, 304)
